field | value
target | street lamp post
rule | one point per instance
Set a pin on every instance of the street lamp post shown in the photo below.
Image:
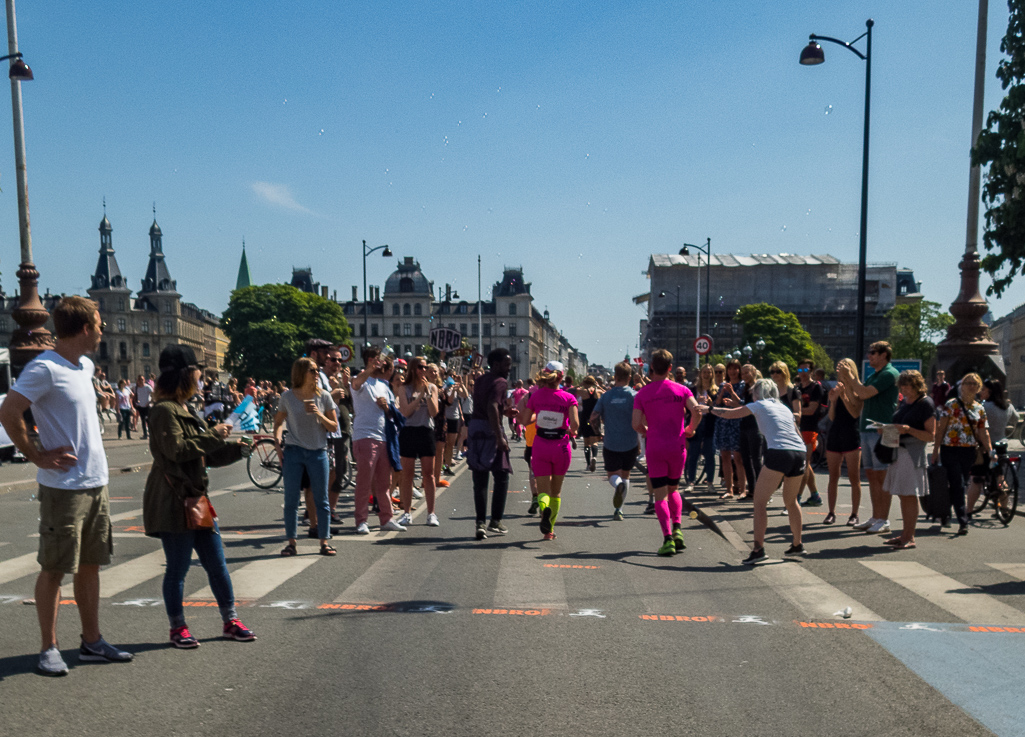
(31, 335)
(811, 55)
(707, 250)
(367, 252)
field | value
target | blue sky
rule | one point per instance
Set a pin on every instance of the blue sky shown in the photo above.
(572, 139)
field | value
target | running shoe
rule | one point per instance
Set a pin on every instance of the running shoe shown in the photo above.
(546, 520)
(830, 519)
(432, 520)
(619, 495)
(881, 526)
(363, 528)
(678, 539)
(405, 519)
(447, 471)
(795, 550)
(182, 638)
(594, 464)
(393, 526)
(756, 556)
(617, 516)
(532, 510)
(102, 651)
(650, 509)
(443, 483)
(51, 663)
(481, 531)
(865, 525)
(853, 520)
(813, 501)
(497, 528)
(417, 494)
(549, 536)
(668, 546)
(235, 630)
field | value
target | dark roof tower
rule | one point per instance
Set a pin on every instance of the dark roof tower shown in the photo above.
(158, 278)
(108, 273)
(245, 279)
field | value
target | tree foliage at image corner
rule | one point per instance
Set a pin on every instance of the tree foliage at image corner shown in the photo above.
(785, 338)
(916, 328)
(1001, 148)
(267, 328)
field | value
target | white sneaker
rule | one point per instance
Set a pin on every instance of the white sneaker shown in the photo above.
(881, 526)
(363, 529)
(405, 519)
(417, 494)
(870, 522)
(432, 520)
(393, 526)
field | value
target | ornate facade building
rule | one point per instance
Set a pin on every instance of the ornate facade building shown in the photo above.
(139, 327)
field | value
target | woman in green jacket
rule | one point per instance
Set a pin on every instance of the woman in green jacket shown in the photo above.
(182, 446)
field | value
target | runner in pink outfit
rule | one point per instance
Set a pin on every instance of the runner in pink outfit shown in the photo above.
(517, 394)
(554, 413)
(659, 414)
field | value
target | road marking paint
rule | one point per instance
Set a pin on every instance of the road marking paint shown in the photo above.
(566, 565)
(15, 568)
(679, 618)
(514, 612)
(521, 584)
(810, 594)
(1014, 570)
(396, 576)
(257, 579)
(972, 606)
(835, 625)
(124, 576)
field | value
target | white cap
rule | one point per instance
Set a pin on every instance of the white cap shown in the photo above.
(556, 367)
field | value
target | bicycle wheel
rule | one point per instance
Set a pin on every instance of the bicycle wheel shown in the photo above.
(1005, 505)
(263, 465)
(984, 494)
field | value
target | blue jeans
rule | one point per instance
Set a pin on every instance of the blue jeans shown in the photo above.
(314, 462)
(178, 547)
(698, 446)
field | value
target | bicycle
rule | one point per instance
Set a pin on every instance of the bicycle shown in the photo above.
(263, 464)
(1001, 485)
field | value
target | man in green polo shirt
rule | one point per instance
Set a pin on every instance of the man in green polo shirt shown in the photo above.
(879, 393)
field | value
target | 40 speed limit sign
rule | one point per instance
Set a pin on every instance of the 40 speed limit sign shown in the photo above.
(703, 345)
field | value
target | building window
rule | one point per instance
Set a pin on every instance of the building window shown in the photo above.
(473, 330)
(405, 284)
(103, 351)
(512, 308)
(121, 325)
(103, 306)
(850, 331)
(395, 309)
(407, 329)
(512, 329)
(145, 350)
(396, 329)
(417, 309)
(487, 330)
(123, 351)
(362, 330)
(3, 324)
(168, 327)
(418, 330)
(462, 328)
(124, 372)
(827, 330)
(451, 326)
(462, 309)
(406, 309)
(373, 330)
(147, 370)
(145, 326)
(167, 307)
(121, 304)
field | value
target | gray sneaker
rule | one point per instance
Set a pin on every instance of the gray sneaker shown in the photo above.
(51, 663)
(102, 651)
(497, 528)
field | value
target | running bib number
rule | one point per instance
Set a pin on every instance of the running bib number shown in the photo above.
(548, 420)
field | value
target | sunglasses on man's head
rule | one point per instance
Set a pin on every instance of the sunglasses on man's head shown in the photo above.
(873, 353)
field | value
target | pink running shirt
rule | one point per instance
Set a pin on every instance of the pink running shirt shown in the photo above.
(664, 404)
(552, 409)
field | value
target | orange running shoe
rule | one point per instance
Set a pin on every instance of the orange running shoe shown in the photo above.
(442, 483)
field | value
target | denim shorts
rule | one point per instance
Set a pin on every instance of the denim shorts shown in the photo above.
(868, 456)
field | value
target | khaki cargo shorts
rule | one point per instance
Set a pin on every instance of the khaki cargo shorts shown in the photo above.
(74, 528)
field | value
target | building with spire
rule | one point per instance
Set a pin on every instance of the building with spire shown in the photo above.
(244, 278)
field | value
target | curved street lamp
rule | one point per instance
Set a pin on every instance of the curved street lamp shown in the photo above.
(367, 252)
(707, 250)
(812, 55)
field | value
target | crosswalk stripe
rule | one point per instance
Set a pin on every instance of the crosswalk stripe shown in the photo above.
(15, 568)
(257, 579)
(942, 591)
(1014, 570)
(395, 576)
(524, 582)
(810, 594)
(124, 576)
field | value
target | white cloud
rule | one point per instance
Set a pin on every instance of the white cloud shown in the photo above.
(278, 194)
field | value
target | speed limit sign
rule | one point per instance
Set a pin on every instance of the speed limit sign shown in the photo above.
(345, 352)
(703, 345)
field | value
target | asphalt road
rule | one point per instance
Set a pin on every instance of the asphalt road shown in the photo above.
(432, 632)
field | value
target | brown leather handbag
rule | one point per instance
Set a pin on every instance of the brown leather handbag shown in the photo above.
(199, 512)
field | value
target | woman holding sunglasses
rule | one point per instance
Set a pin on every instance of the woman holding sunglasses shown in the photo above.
(418, 403)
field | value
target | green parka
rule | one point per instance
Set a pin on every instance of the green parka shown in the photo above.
(182, 446)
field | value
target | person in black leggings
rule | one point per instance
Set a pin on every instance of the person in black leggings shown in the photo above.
(487, 444)
(751, 440)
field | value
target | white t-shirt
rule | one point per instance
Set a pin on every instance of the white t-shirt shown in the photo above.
(776, 423)
(124, 398)
(368, 418)
(143, 394)
(325, 385)
(64, 409)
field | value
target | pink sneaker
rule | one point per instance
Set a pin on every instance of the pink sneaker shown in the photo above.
(182, 638)
(235, 630)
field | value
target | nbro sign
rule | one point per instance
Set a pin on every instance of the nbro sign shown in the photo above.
(446, 339)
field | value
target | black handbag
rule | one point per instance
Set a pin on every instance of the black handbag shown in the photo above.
(884, 453)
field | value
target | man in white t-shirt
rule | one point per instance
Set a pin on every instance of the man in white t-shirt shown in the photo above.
(74, 517)
(371, 395)
(142, 393)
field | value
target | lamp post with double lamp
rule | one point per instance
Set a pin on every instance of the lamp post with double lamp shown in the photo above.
(811, 55)
(676, 329)
(31, 335)
(367, 252)
(707, 250)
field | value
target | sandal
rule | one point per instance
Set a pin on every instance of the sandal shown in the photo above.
(830, 519)
(892, 541)
(853, 520)
(327, 550)
(905, 546)
(745, 497)
(727, 495)
(288, 550)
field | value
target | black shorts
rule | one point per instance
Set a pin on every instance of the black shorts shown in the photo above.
(439, 431)
(586, 431)
(416, 442)
(616, 460)
(527, 453)
(452, 426)
(790, 463)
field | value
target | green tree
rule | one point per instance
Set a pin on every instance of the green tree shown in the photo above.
(1001, 148)
(916, 328)
(785, 338)
(267, 328)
